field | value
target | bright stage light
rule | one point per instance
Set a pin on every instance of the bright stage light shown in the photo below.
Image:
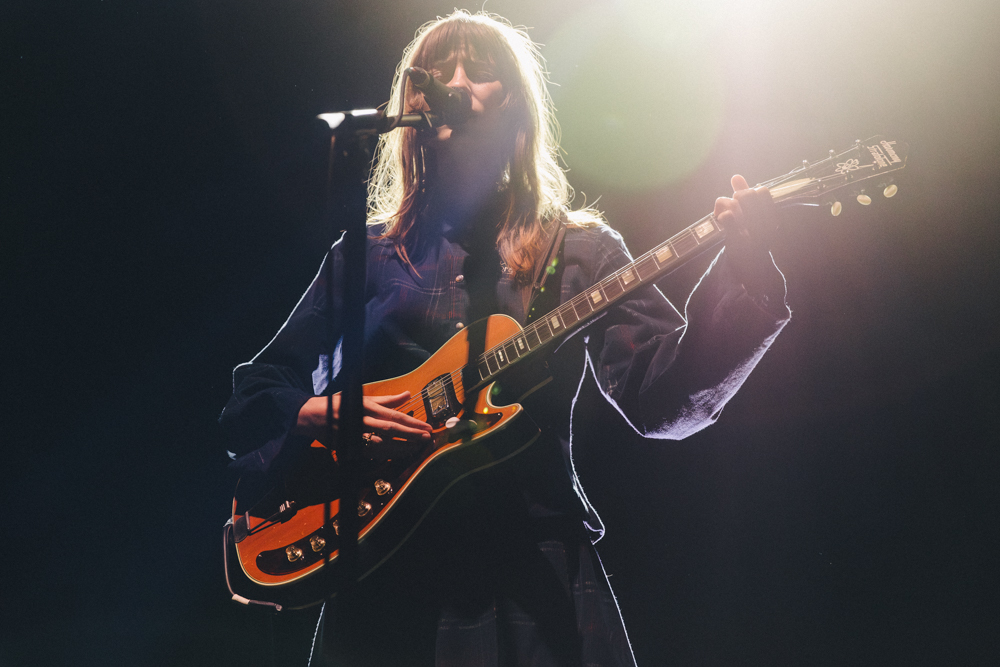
(639, 92)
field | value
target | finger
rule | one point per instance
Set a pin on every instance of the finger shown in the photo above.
(759, 193)
(396, 429)
(767, 202)
(392, 400)
(758, 209)
(728, 212)
(386, 426)
(723, 204)
(387, 407)
(750, 202)
(388, 414)
(739, 183)
(374, 408)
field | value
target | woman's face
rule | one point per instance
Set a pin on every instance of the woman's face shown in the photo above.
(484, 133)
(474, 76)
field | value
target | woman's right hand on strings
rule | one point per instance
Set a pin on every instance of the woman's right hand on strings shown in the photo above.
(381, 419)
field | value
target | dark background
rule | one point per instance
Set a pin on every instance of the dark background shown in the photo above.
(160, 211)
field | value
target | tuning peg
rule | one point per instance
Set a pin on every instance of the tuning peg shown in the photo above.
(890, 190)
(864, 199)
(836, 208)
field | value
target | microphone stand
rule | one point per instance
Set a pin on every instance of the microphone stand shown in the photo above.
(351, 135)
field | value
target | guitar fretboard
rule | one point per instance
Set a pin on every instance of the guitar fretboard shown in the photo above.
(697, 238)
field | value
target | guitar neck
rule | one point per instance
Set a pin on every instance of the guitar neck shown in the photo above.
(811, 185)
(661, 260)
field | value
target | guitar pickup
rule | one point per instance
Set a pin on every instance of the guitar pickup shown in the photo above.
(440, 401)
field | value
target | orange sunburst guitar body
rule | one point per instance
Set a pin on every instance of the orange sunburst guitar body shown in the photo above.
(279, 536)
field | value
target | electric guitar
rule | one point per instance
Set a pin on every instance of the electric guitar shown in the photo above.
(278, 536)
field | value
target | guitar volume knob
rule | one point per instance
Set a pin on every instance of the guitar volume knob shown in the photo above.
(317, 543)
(293, 553)
(382, 487)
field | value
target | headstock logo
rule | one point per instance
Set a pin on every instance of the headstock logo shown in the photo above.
(887, 145)
(845, 167)
(884, 154)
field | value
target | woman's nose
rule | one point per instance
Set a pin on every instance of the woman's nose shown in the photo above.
(458, 78)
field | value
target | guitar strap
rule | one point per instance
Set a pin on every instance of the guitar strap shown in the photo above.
(538, 301)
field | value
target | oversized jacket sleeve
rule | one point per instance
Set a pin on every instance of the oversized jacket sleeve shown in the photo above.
(269, 390)
(671, 376)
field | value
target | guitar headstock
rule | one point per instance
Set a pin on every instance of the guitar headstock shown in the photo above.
(814, 184)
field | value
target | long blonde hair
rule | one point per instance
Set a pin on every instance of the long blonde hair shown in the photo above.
(535, 191)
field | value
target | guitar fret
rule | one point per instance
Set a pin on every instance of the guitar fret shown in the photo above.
(521, 345)
(510, 348)
(596, 297)
(645, 267)
(613, 288)
(581, 304)
(531, 336)
(543, 332)
(568, 315)
(705, 227)
(493, 367)
(483, 368)
(684, 243)
(664, 254)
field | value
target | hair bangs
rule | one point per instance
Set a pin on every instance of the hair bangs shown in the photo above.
(468, 37)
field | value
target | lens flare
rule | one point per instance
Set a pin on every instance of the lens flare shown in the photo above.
(639, 92)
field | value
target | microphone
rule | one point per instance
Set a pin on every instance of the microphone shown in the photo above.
(451, 104)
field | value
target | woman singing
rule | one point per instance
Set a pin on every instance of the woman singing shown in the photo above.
(460, 221)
